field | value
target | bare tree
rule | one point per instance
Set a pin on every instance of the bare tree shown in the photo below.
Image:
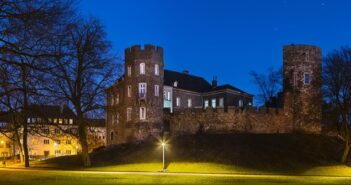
(337, 86)
(27, 28)
(84, 68)
(268, 84)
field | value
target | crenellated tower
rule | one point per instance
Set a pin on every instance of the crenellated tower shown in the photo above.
(302, 86)
(143, 89)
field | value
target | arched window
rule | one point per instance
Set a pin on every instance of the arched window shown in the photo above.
(142, 68)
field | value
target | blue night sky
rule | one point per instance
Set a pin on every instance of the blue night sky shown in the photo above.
(227, 38)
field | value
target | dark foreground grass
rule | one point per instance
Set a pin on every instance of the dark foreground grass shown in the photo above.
(83, 178)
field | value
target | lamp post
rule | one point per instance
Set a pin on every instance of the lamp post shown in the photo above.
(163, 155)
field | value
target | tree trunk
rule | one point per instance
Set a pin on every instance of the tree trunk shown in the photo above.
(24, 114)
(18, 142)
(83, 141)
(347, 140)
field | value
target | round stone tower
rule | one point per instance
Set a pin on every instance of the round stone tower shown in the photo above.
(143, 91)
(302, 86)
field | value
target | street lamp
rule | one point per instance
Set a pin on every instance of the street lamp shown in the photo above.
(163, 143)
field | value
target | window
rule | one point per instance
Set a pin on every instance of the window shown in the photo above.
(307, 79)
(68, 142)
(46, 141)
(28, 120)
(57, 152)
(60, 121)
(157, 69)
(46, 131)
(167, 95)
(117, 98)
(177, 101)
(307, 56)
(213, 103)
(295, 79)
(112, 100)
(142, 113)
(221, 102)
(70, 121)
(129, 114)
(142, 68)
(129, 71)
(68, 152)
(175, 84)
(111, 136)
(57, 131)
(129, 90)
(142, 90)
(57, 142)
(157, 90)
(55, 120)
(117, 118)
(206, 104)
(189, 103)
(241, 103)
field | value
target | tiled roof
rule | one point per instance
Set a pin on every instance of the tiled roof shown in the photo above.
(228, 86)
(186, 81)
(51, 111)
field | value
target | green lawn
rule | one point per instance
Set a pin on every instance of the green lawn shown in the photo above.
(81, 178)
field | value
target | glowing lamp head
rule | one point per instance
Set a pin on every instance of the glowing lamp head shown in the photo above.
(163, 144)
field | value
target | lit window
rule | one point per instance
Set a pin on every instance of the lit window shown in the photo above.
(55, 120)
(307, 79)
(221, 102)
(213, 103)
(28, 120)
(175, 84)
(60, 121)
(58, 142)
(157, 69)
(189, 103)
(177, 101)
(241, 103)
(117, 98)
(142, 113)
(142, 90)
(157, 90)
(129, 90)
(117, 118)
(168, 95)
(70, 121)
(142, 68)
(206, 104)
(129, 114)
(129, 70)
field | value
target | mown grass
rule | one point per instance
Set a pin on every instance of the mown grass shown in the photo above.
(79, 178)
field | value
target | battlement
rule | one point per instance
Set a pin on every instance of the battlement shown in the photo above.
(301, 47)
(148, 48)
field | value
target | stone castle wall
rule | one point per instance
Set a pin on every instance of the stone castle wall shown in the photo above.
(232, 120)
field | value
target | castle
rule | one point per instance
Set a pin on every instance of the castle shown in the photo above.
(149, 100)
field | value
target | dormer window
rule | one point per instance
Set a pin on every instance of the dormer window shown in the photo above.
(175, 84)
(142, 68)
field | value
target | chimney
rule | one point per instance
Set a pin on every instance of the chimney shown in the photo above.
(185, 72)
(214, 82)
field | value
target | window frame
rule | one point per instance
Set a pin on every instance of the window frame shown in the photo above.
(142, 68)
